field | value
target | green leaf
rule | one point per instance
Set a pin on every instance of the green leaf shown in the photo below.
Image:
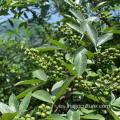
(91, 33)
(23, 94)
(8, 116)
(104, 38)
(70, 19)
(76, 27)
(116, 102)
(24, 104)
(91, 19)
(73, 115)
(115, 8)
(80, 61)
(8, 1)
(11, 23)
(111, 30)
(112, 98)
(40, 74)
(70, 68)
(55, 117)
(56, 88)
(29, 82)
(89, 54)
(100, 5)
(78, 15)
(113, 114)
(69, 2)
(5, 108)
(57, 43)
(92, 97)
(50, 119)
(93, 117)
(13, 103)
(43, 96)
(86, 111)
(63, 88)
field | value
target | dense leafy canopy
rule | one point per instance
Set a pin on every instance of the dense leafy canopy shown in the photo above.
(60, 70)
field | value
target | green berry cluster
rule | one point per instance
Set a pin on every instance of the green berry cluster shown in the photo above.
(104, 59)
(86, 84)
(99, 85)
(80, 8)
(65, 29)
(2, 97)
(27, 117)
(50, 63)
(43, 111)
(110, 82)
(104, 16)
(70, 36)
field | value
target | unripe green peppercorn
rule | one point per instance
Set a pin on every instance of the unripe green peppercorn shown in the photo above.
(22, 118)
(48, 108)
(32, 118)
(28, 116)
(38, 113)
(106, 93)
(76, 85)
(47, 113)
(41, 107)
(43, 115)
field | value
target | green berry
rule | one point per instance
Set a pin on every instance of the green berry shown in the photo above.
(43, 115)
(47, 113)
(40, 107)
(118, 81)
(32, 118)
(106, 93)
(114, 79)
(48, 108)
(76, 81)
(22, 118)
(43, 105)
(38, 113)
(28, 116)
(76, 85)
(118, 87)
(28, 119)
(99, 70)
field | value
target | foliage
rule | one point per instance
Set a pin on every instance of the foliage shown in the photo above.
(67, 71)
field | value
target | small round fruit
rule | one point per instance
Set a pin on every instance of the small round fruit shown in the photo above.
(76, 81)
(38, 113)
(40, 107)
(106, 93)
(43, 115)
(118, 87)
(114, 79)
(76, 85)
(118, 81)
(43, 105)
(32, 118)
(48, 107)
(47, 113)
(28, 116)
(28, 119)
(22, 118)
